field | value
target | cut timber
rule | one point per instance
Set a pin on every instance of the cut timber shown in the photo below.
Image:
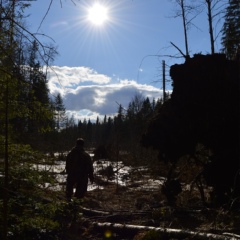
(131, 230)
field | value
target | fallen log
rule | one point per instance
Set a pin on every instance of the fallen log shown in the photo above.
(132, 230)
(91, 212)
(111, 216)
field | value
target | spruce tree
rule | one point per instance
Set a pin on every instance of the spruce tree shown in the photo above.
(231, 30)
(60, 112)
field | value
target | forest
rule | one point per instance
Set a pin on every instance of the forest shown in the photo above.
(190, 136)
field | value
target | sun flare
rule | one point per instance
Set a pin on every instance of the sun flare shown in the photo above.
(98, 14)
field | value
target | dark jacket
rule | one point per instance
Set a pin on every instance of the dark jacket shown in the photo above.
(79, 162)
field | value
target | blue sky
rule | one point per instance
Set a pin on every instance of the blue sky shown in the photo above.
(100, 66)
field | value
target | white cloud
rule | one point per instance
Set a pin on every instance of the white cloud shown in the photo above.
(73, 76)
(88, 94)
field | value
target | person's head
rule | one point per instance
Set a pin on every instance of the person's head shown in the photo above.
(80, 142)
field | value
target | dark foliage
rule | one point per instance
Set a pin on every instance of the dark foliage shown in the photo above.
(231, 30)
(204, 109)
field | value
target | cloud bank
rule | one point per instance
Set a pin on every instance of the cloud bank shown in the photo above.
(88, 94)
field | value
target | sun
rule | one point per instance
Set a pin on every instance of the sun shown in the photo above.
(98, 14)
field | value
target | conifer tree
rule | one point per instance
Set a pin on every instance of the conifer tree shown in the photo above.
(60, 112)
(231, 30)
(89, 136)
(37, 96)
(97, 131)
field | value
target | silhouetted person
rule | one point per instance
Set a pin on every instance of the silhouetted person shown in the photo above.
(79, 169)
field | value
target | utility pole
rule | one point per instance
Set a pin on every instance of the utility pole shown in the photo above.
(164, 80)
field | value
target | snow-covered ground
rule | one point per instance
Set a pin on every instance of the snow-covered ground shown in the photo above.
(114, 172)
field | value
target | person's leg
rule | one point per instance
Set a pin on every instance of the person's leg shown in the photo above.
(69, 187)
(81, 187)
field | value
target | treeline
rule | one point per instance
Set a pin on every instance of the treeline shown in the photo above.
(123, 130)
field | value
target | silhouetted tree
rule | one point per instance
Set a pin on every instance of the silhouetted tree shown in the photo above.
(215, 8)
(89, 132)
(231, 30)
(60, 114)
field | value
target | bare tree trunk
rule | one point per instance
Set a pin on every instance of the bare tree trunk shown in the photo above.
(185, 27)
(210, 22)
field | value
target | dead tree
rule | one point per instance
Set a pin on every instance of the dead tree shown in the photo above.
(187, 12)
(215, 8)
